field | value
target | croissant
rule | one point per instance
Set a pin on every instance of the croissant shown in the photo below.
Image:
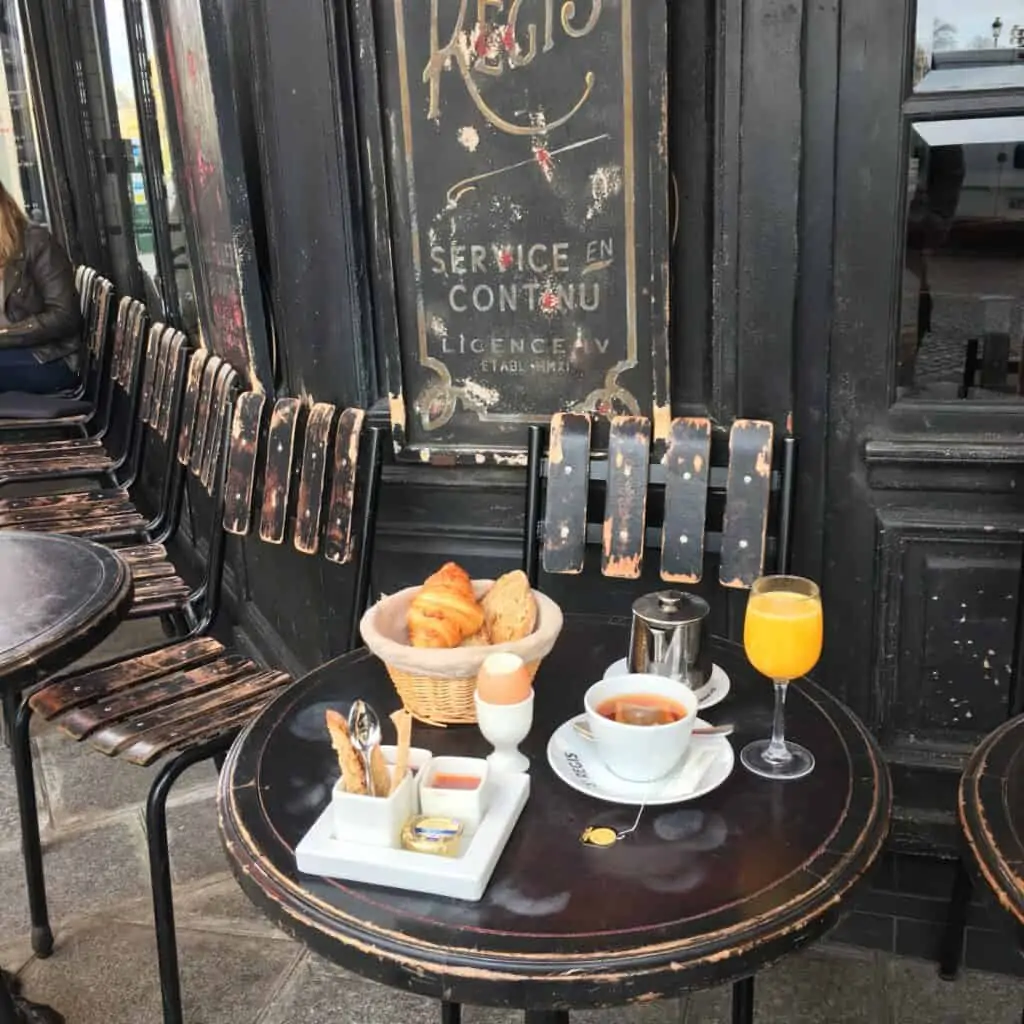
(445, 611)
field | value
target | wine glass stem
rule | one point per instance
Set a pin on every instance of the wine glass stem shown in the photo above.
(778, 752)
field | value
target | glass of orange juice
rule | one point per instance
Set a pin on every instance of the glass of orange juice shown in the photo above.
(782, 638)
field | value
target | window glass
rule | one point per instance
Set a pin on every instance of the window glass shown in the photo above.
(179, 244)
(131, 137)
(967, 45)
(962, 309)
(20, 169)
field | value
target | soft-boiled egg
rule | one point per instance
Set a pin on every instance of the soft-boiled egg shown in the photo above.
(503, 679)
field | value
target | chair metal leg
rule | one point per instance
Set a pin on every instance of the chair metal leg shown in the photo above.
(160, 871)
(743, 1001)
(451, 1013)
(956, 922)
(31, 846)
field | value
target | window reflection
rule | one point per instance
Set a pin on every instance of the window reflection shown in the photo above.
(179, 245)
(963, 45)
(20, 169)
(963, 286)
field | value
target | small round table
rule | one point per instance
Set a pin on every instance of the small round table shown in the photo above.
(701, 894)
(61, 596)
(991, 807)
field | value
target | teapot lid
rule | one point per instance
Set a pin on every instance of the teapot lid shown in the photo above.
(670, 608)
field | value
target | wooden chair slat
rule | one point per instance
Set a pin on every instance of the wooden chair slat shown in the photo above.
(565, 507)
(157, 742)
(135, 701)
(168, 397)
(310, 502)
(747, 495)
(204, 412)
(151, 362)
(100, 323)
(687, 462)
(223, 406)
(244, 682)
(241, 471)
(81, 512)
(277, 469)
(193, 387)
(30, 449)
(60, 464)
(42, 502)
(94, 528)
(133, 350)
(342, 503)
(120, 332)
(163, 372)
(625, 508)
(97, 684)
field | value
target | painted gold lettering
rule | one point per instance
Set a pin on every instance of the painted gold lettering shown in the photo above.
(437, 258)
(477, 255)
(454, 50)
(458, 259)
(569, 12)
(477, 347)
(516, 58)
(461, 289)
(560, 257)
(483, 298)
(537, 346)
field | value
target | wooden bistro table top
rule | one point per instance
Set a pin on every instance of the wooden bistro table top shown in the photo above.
(59, 597)
(992, 817)
(701, 894)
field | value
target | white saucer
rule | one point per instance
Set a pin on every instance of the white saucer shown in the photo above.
(576, 762)
(713, 692)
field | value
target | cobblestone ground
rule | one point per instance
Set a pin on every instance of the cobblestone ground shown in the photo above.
(238, 969)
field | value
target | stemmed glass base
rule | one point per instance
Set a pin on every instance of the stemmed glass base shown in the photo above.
(757, 759)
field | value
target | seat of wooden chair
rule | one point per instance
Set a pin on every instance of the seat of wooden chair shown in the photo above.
(143, 708)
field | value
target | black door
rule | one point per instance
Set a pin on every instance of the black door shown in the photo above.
(925, 444)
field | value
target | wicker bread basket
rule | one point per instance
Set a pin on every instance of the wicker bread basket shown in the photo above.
(437, 685)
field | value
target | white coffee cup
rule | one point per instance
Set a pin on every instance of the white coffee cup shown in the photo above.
(640, 753)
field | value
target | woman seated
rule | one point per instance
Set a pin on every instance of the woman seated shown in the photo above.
(40, 319)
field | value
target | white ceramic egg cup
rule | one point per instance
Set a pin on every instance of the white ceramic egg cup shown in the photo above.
(505, 726)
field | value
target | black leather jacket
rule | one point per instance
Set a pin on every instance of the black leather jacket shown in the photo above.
(40, 301)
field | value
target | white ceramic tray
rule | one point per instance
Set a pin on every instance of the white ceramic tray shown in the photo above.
(463, 878)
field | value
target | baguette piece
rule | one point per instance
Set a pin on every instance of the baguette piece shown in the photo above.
(510, 609)
(353, 779)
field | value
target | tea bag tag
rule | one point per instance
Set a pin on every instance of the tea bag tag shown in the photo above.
(602, 835)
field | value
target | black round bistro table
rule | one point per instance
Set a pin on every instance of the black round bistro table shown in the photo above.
(59, 597)
(992, 818)
(703, 893)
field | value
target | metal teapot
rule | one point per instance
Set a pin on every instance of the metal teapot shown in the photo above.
(669, 637)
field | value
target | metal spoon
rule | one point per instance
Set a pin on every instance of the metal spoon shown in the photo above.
(364, 729)
(700, 730)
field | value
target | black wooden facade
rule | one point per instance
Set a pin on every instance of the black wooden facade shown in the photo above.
(789, 131)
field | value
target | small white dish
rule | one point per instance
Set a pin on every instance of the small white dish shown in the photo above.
(465, 805)
(378, 821)
(373, 820)
(576, 761)
(464, 877)
(713, 692)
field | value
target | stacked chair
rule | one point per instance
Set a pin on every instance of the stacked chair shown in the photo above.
(185, 699)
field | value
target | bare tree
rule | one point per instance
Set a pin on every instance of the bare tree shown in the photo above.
(944, 35)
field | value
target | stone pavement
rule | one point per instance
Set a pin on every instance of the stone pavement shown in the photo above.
(237, 969)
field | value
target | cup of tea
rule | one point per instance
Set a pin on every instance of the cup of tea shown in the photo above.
(641, 724)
